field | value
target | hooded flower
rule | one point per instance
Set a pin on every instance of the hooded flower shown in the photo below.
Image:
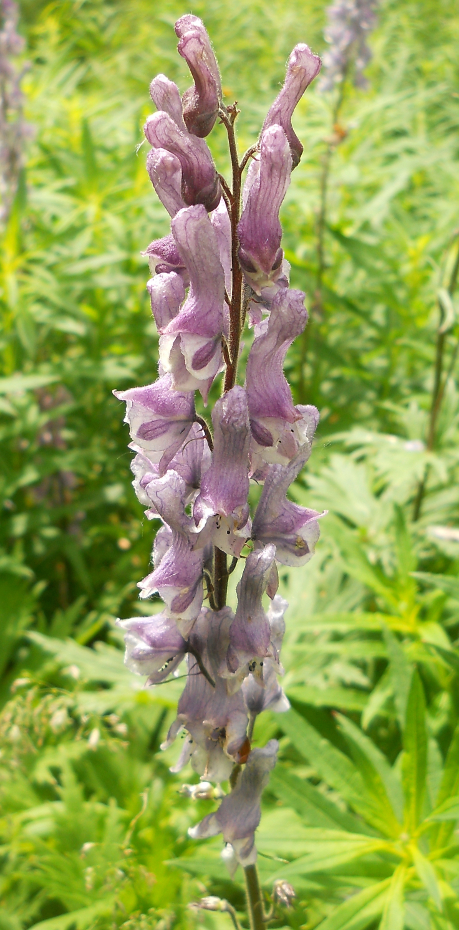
(167, 293)
(178, 570)
(201, 320)
(250, 631)
(302, 68)
(349, 24)
(216, 721)
(261, 688)
(225, 486)
(278, 427)
(166, 96)
(200, 183)
(259, 229)
(292, 529)
(239, 813)
(190, 462)
(200, 102)
(165, 173)
(154, 646)
(159, 418)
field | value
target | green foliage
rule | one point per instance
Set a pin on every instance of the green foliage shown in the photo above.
(360, 815)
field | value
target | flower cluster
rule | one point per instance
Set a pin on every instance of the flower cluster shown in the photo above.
(348, 27)
(217, 265)
(13, 129)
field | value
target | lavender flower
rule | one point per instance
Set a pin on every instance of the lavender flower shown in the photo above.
(216, 265)
(13, 129)
(349, 24)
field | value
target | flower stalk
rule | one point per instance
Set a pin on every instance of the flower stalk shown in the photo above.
(221, 263)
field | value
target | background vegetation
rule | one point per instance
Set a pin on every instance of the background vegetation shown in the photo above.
(361, 811)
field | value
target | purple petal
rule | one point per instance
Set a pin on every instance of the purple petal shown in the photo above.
(154, 646)
(262, 690)
(222, 226)
(292, 529)
(165, 173)
(302, 68)
(163, 256)
(225, 486)
(202, 313)
(167, 293)
(159, 418)
(200, 183)
(172, 360)
(201, 102)
(250, 632)
(239, 813)
(259, 229)
(166, 96)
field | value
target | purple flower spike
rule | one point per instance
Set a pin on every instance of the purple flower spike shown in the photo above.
(225, 486)
(293, 530)
(200, 183)
(154, 646)
(250, 631)
(239, 813)
(166, 96)
(302, 68)
(259, 229)
(201, 102)
(177, 575)
(261, 688)
(165, 173)
(159, 418)
(167, 293)
(201, 320)
(278, 427)
(163, 256)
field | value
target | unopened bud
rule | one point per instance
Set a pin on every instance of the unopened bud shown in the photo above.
(283, 893)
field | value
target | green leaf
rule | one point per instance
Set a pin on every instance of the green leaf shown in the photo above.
(449, 789)
(80, 919)
(376, 771)
(426, 873)
(359, 911)
(17, 384)
(449, 810)
(415, 755)
(401, 674)
(446, 583)
(393, 917)
(329, 849)
(312, 804)
(346, 698)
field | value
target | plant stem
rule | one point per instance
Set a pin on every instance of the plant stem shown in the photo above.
(254, 899)
(438, 392)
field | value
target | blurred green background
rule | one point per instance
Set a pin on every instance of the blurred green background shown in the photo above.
(361, 812)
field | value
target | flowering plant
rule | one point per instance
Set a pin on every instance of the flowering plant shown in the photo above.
(220, 266)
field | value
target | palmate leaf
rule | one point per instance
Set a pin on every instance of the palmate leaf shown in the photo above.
(381, 779)
(316, 808)
(446, 583)
(401, 672)
(329, 849)
(80, 919)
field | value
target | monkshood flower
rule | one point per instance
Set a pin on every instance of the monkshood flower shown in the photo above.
(159, 418)
(239, 813)
(259, 229)
(278, 426)
(196, 331)
(221, 510)
(303, 66)
(221, 263)
(200, 102)
(292, 529)
(200, 183)
(349, 25)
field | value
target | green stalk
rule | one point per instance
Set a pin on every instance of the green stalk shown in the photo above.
(254, 899)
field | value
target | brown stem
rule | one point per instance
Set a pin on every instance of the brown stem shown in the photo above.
(220, 578)
(198, 661)
(248, 154)
(438, 392)
(206, 430)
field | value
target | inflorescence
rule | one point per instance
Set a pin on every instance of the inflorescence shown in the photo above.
(219, 266)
